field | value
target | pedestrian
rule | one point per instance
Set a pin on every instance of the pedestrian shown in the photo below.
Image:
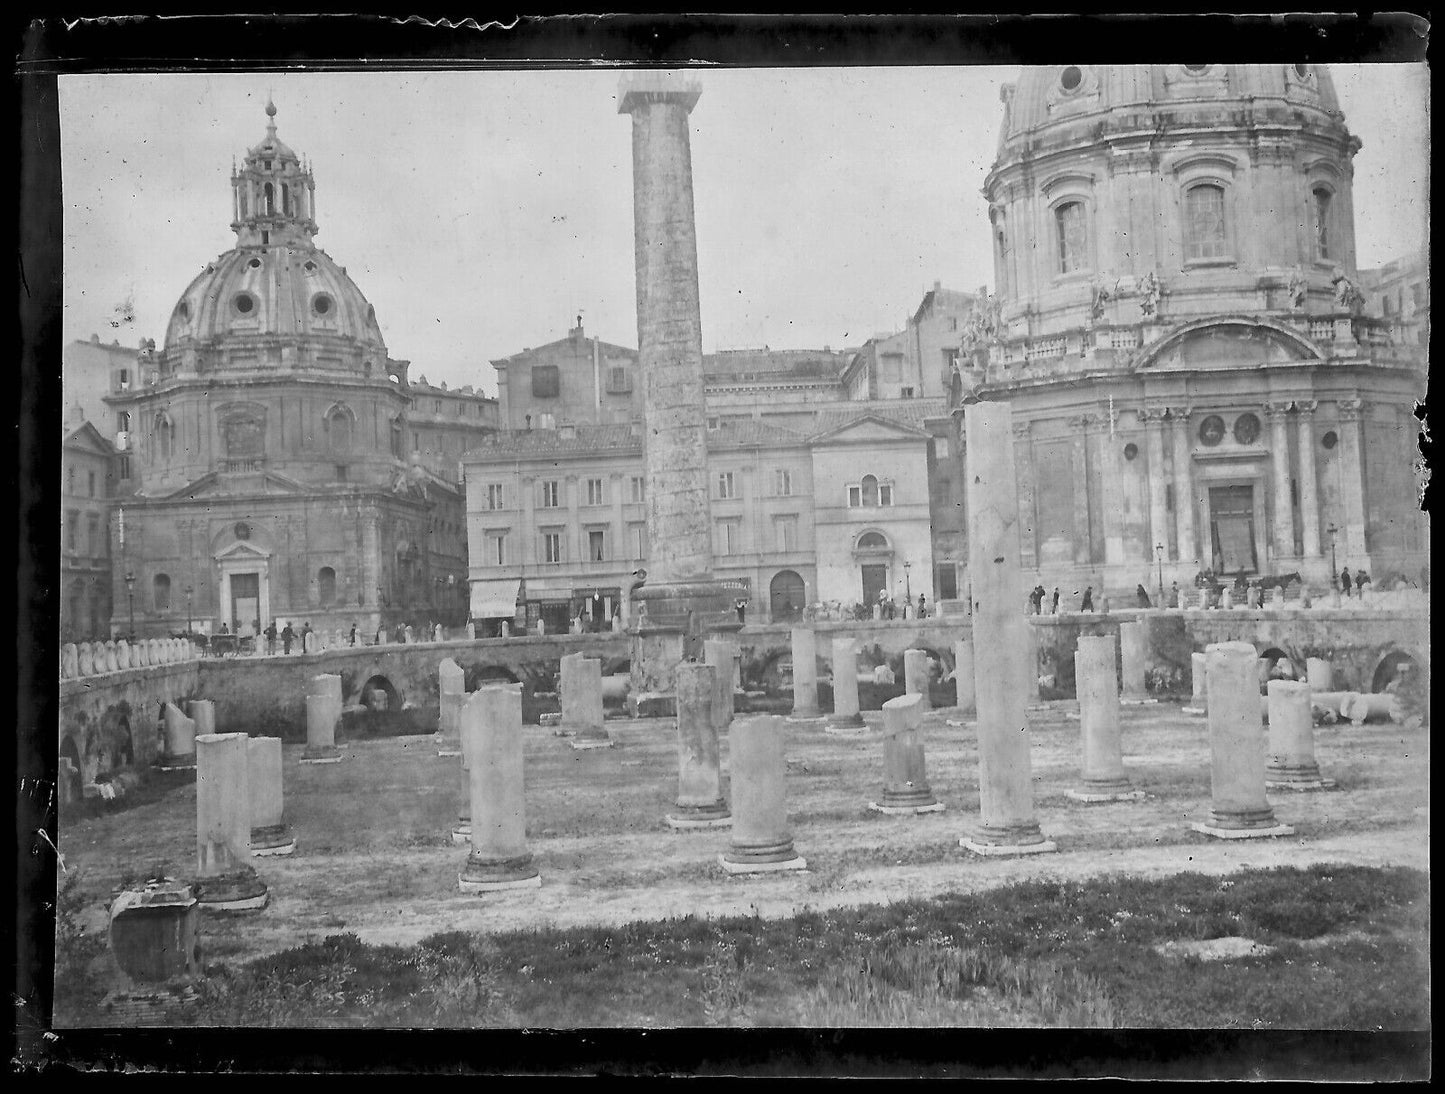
(271, 637)
(226, 630)
(1087, 604)
(1361, 580)
(1345, 581)
(380, 633)
(1142, 596)
(882, 603)
(922, 608)
(353, 634)
(892, 608)
(1055, 609)
(1174, 595)
(741, 606)
(287, 635)
(305, 630)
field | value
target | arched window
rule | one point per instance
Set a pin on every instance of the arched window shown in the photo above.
(245, 203)
(122, 421)
(326, 586)
(245, 438)
(870, 491)
(338, 429)
(270, 200)
(872, 541)
(165, 436)
(162, 585)
(1073, 236)
(1204, 235)
(285, 199)
(1322, 198)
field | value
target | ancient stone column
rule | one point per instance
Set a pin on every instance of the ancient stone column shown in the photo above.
(270, 835)
(1031, 657)
(180, 746)
(499, 857)
(203, 713)
(1132, 644)
(1319, 673)
(916, 677)
(581, 696)
(462, 833)
(226, 880)
(963, 674)
(761, 841)
(323, 711)
(1237, 744)
(722, 655)
(847, 716)
(700, 802)
(451, 694)
(805, 675)
(680, 602)
(1003, 648)
(1199, 686)
(905, 780)
(1102, 778)
(1292, 764)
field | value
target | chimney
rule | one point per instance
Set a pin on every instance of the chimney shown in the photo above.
(937, 286)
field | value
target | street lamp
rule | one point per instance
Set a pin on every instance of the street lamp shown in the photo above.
(1334, 570)
(907, 584)
(1159, 551)
(189, 590)
(130, 594)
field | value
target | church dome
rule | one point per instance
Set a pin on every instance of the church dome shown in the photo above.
(1048, 94)
(289, 291)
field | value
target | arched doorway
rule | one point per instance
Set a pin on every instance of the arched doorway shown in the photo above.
(787, 596)
(873, 553)
(378, 694)
(1396, 663)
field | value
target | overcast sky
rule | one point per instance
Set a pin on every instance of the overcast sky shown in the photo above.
(480, 212)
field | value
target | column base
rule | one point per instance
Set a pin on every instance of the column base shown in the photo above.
(239, 891)
(700, 816)
(1198, 712)
(330, 755)
(1044, 846)
(462, 834)
(1090, 794)
(803, 717)
(844, 723)
(895, 810)
(740, 865)
(1220, 832)
(1284, 778)
(959, 723)
(489, 876)
(1136, 700)
(273, 840)
(177, 763)
(582, 743)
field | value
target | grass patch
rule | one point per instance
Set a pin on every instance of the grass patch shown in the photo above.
(1035, 953)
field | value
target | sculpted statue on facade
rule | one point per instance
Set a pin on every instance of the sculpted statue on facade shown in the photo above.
(1347, 294)
(1149, 292)
(1297, 288)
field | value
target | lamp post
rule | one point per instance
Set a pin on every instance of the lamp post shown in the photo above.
(130, 595)
(908, 584)
(189, 590)
(1334, 570)
(1159, 553)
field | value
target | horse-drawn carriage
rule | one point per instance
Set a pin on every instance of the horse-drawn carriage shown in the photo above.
(1240, 583)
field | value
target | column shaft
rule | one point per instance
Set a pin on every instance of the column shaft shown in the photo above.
(1283, 523)
(1184, 488)
(1309, 503)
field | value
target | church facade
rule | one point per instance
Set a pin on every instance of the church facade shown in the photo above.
(1179, 328)
(272, 464)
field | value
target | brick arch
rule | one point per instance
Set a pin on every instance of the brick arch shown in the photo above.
(1383, 669)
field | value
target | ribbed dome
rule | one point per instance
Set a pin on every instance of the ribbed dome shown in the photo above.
(1052, 93)
(277, 291)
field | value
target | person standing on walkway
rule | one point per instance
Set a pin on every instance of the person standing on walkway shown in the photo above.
(353, 634)
(1174, 595)
(1142, 596)
(1054, 610)
(1087, 604)
(287, 634)
(271, 637)
(1345, 581)
(1361, 580)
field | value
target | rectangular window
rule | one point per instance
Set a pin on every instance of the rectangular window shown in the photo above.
(783, 482)
(497, 548)
(90, 483)
(639, 488)
(1073, 236)
(597, 545)
(72, 526)
(96, 545)
(940, 448)
(953, 322)
(618, 382)
(637, 540)
(729, 537)
(416, 442)
(1204, 235)
(786, 533)
(1417, 294)
(885, 494)
(340, 472)
(550, 494)
(551, 546)
(906, 393)
(1169, 496)
(495, 496)
(855, 497)
(1322, 222)
(546, 382)
(596, 494)
(725, 485)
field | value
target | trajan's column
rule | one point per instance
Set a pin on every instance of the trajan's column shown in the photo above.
(680, 602)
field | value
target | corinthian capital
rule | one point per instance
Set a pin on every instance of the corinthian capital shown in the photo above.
(1350, 409)
(1306, 407)
(1277, 410)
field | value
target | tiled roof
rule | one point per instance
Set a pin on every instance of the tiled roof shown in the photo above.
(780, 362)
(740, 434)
(513, 443)
(909, 412)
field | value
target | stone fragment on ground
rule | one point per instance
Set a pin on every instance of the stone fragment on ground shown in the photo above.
(1214, 949)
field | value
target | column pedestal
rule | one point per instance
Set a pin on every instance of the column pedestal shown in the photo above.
(180, 747)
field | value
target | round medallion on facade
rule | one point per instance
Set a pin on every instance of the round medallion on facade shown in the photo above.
(1211, 430)
(244, 303)
(1246, 428)
(1131, 450)
(1071, 78)
(1330, 439)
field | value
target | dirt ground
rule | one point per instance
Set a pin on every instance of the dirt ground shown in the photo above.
(375, 856)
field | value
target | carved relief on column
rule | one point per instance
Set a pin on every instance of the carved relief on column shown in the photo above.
(1309, 504)
(1024, 475)
(1281, 503)
(1184, 501)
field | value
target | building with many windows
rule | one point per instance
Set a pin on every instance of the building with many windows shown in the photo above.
(273, 472)
(87, 475)
(1181, 331)
(1399, 293)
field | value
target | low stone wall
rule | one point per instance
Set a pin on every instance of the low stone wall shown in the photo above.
(109, 720)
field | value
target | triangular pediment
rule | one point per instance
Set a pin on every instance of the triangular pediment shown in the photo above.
(216, 485)
(869, 428)
(241, 549)
(86, 437)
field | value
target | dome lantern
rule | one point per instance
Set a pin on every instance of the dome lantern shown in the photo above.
(273, 194)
